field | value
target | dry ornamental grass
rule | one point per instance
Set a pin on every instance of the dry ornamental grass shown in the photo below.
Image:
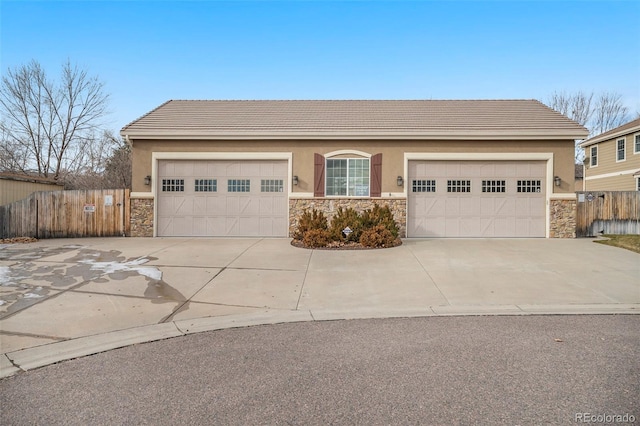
(18, 240)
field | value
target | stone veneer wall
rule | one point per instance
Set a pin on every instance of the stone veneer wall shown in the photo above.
(329, 206)
(562, 219)
(141, 217)
(562, 213)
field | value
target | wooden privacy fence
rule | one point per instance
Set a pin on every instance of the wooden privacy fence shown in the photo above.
(65, 214)
(607, 212)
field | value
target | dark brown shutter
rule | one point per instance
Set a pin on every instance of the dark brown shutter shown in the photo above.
(376, 175)
(318, 175)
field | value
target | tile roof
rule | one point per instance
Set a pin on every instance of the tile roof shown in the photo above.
(630, 127)
(414, 119)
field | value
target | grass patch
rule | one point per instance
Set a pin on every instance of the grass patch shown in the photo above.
(629, 242)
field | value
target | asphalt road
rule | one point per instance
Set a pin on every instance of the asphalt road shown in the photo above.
(438, 370)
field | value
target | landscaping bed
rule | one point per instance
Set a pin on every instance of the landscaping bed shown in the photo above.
(348, 230)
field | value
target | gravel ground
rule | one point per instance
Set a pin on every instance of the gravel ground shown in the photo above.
(445, 370)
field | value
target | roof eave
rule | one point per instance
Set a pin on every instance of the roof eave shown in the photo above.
(357, 135)
(605, 137)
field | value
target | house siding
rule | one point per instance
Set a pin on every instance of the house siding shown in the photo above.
(607, 165)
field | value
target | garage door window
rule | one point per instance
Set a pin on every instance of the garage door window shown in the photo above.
(529, 186)
(458, 186)
(238, 185)
(494, 186)
(172, 185)
(423, 185)
(271, 185)
(348, 177)
(206, 185)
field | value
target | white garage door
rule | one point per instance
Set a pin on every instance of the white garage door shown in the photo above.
(222, 198)
(476, 199)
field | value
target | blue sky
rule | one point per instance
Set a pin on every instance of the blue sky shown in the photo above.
(147, 52)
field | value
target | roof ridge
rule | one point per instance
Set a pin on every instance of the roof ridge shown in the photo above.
(627, 127)
(350, 100)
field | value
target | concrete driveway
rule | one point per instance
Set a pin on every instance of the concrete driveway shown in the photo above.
(71, 297)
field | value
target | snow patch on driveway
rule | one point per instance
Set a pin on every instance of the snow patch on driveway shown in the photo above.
(132, 265)
(5, 274)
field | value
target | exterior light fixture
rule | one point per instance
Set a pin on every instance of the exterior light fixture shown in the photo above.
(147, 180)
(557, 181)
(400, 181)
(295, 180)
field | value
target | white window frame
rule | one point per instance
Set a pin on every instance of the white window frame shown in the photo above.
(349, 159)
(591, 164)
(636, 143)
(624, 150)
(638, 183)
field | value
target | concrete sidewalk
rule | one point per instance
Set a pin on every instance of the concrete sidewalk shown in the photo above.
(67, 298)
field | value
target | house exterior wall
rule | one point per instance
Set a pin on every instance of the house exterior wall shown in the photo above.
(392, 155)
(393, 165)
(14, 190)
(562, 219)
(609, 174)
(141, 217)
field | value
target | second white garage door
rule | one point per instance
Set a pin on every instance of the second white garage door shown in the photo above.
(222, 198)
(476, 199)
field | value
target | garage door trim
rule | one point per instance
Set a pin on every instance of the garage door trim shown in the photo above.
(487, 156)
(194, 156)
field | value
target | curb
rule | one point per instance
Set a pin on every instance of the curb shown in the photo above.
(39, 356)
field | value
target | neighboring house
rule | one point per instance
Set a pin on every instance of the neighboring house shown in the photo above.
(14, 187)
(479, 168)
(612, 159)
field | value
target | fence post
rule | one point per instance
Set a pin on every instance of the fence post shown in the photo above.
(37, 218)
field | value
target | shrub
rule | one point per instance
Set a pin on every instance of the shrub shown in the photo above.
(316, 238)
(346, 218)
(378, 236)
(380, 216)
(314, 220)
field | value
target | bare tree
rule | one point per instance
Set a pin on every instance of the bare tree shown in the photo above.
(11, 157)
(117, 173)
(576, 106)
(598, 116)
(609, 113)
(50, 126)
(107, 169)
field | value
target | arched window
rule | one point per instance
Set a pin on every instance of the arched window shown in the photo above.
(348, 174)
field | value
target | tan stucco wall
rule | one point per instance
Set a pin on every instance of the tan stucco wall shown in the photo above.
(392, 155)
(607, 164)
(14, 190)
